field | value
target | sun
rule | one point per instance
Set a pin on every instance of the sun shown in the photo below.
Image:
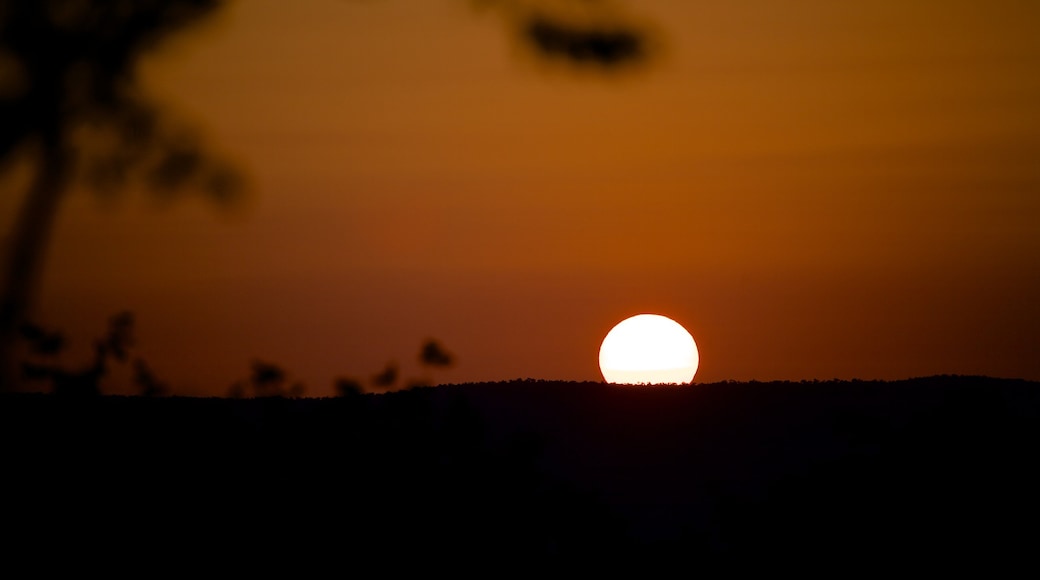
(648, 349)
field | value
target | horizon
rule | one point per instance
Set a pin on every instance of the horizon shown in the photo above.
(815, 192)
(249, 393)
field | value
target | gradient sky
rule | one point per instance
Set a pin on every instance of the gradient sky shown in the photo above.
(813, 189)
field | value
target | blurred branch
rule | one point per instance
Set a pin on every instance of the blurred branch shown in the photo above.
(387, 377)
(586, 34)
(269, 380)
(116, 345)
(71, 107)
(433, 354)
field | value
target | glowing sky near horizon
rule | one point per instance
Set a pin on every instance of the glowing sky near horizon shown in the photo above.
(817, 190)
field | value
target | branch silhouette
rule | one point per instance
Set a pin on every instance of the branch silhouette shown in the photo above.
(73, 111)
(115, 346)
(267, 380)
(586, 34)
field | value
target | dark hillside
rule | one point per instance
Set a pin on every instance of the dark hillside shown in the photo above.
(939, 470)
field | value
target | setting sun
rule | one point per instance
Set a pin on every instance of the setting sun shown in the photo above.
(648, 349)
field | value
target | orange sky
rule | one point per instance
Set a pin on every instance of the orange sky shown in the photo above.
(813, 189)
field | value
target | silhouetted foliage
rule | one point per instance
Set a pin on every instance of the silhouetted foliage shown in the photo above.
(347, 387)
(115, 346)
(267, 376)
(583, 33)
(267, 380)
(120, 339)
(434, 355)
(386, 378)
(431, 356)
(604, 46)
(70, 107)
(84, 382)
(42, 342)
(147, 383)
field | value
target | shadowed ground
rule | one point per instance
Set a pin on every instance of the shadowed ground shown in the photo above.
(935, 473)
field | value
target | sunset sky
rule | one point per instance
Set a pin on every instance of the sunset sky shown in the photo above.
(815, 190)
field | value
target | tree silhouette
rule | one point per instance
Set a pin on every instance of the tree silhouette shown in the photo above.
(594, 34)
(432, 356)
(115, 346)
(604, 46)
(385, 378)
(348, 387)
(146, 381)
(267, 380)
(71, 110)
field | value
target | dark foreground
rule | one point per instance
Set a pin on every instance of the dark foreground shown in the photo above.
(925, 475)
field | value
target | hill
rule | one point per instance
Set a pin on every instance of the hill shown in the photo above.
(938, 471)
